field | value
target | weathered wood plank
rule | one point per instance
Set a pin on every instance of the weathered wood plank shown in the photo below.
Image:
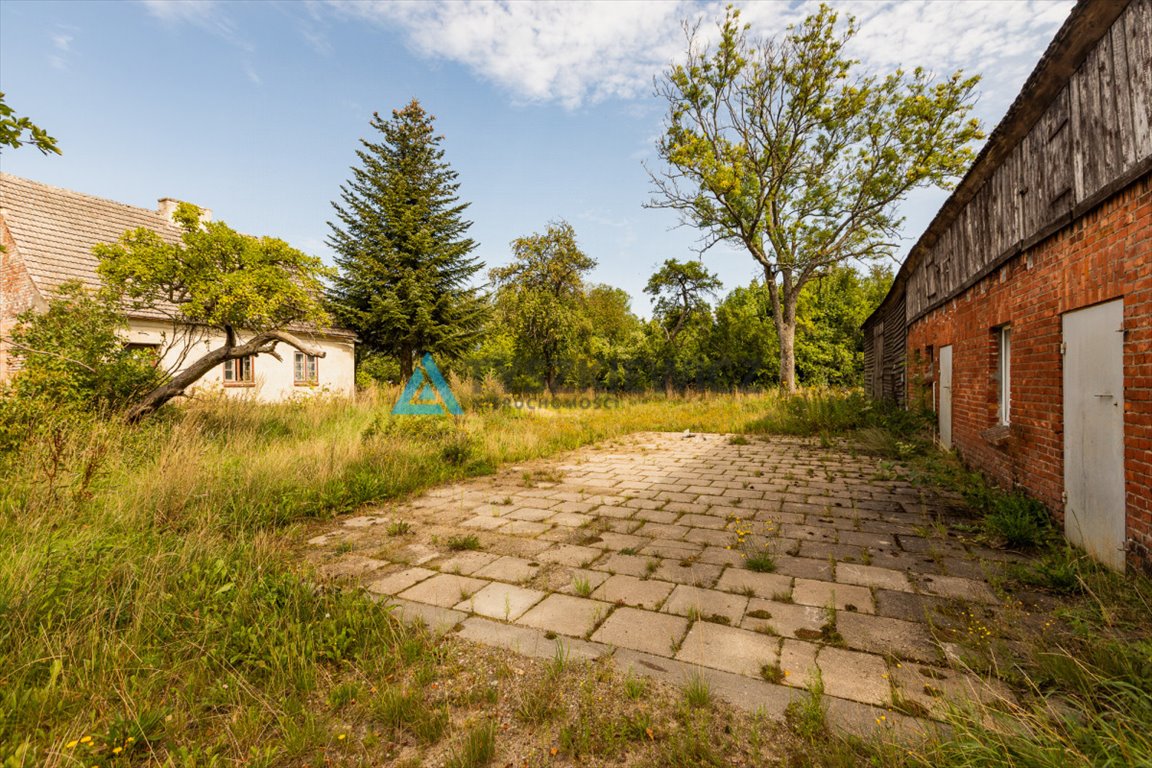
(1137, 24)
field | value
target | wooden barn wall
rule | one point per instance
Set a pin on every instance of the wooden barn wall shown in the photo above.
(1096, 131)
(884, 353)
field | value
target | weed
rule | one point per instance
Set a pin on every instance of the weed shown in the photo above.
(582, 586)
(463, 543)
(697, 692)
(772, 672)
(807, 716)
(635, 687)
(398, 528)
(1018, 520)
(477, 749)
(761, 562)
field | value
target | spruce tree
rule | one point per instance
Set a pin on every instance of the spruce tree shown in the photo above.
(404, 258)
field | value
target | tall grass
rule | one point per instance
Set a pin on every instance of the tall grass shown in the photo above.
(150, 608)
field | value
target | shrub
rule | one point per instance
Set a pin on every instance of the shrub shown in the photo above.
(1018, 520)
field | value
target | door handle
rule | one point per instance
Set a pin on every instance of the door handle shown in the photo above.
(1105, 394)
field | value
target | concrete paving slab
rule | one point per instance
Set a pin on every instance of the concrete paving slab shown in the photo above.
(687, 572)
(566, 615)
(708, 604)
(846, 597)
(530, 642)
(466, 563)
(728, 648)
(785, 619)
(439, 621)
(570, 554)
(891, 637)
(630, 590)
(640, 630)
(798, 663)
(524, 528)
(958, 588)
(853, 675)
(395, 583)
(871, 576)
(505, 602)
(753, 584)
(514, 570)
(632, 565)
(444, 590)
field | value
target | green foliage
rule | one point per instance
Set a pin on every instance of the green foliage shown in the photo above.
(784, 149)
(401, 245)
(542, 298)
(1018, 520)
(477, 749)
(829, 314)
(13, 128)
(214, 276)
(679, 290)
(374, 368)
(73, 360)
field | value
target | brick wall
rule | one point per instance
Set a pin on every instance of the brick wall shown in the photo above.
(17, 294)
(1104, 255)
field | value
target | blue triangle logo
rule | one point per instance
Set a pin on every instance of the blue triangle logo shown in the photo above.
(426, 393)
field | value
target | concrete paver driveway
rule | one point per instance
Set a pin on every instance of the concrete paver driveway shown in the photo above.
(641, 548)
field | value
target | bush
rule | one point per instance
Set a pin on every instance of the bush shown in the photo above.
(73, 359)
(1018, 520)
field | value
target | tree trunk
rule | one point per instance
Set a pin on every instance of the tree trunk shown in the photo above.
(406, 365)
(262, 343)
(786, 331)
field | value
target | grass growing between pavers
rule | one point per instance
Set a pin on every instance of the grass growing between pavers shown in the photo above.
(153, 610)
(1073, 640)
(152, 607)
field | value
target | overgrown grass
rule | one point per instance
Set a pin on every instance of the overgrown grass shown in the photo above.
(150, 606)
(152, 612)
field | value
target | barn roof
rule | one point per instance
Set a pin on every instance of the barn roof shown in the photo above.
(1087, 22)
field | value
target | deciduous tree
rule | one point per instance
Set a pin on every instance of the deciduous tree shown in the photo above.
(785, 149)
(680, 289)
(253, 290)
(543, 294)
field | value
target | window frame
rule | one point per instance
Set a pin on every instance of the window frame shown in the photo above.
(1004, 375)
(311, 367)
(237, 367)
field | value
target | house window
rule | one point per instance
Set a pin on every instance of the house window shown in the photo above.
(238, 372)
(305, 371)
(1004, 374)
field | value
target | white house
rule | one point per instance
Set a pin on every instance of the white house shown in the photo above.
(47, 235)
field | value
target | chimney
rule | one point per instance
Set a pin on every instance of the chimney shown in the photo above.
(167, 208)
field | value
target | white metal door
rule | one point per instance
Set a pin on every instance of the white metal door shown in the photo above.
(1094, 431)
(945, 412)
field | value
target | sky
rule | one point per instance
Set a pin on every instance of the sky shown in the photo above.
(255, 109)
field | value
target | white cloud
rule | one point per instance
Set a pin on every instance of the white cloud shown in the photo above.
(574, 53)
(570, 52)
(61, 47)
(194, 11)
(206, 14)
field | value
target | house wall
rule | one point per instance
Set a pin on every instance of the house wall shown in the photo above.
(274, 379)
(1103, 255)
(17, 294)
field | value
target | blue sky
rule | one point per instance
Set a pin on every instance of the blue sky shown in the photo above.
(254, 109)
